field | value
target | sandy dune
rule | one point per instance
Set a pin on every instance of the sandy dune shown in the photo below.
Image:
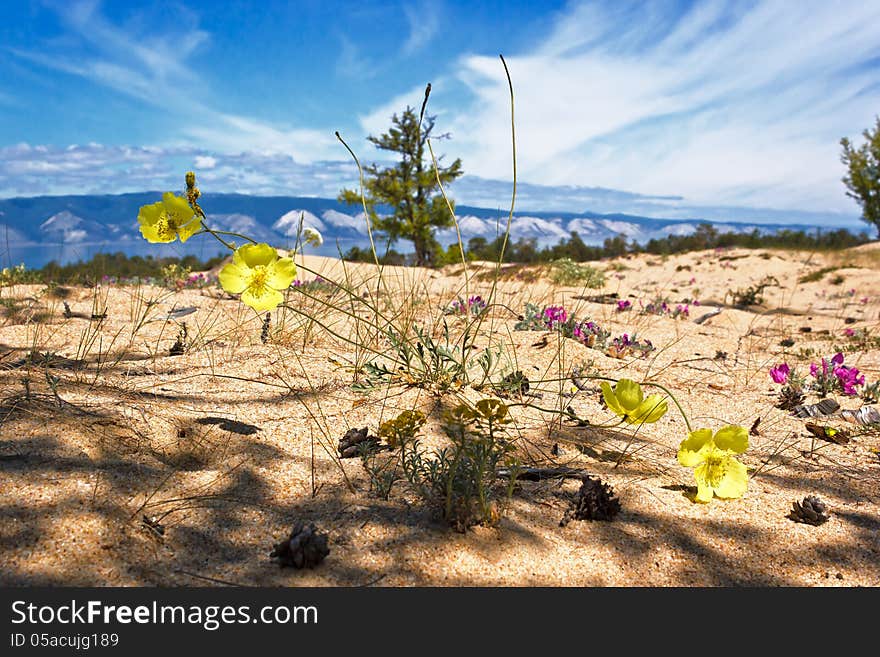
(231, 442)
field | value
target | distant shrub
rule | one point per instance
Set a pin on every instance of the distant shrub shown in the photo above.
(817, 275)
(567, 272)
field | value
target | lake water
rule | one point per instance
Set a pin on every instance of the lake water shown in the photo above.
(35, 257)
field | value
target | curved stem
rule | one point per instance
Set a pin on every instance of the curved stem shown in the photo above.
(674, 400)
(217, 233)
(454, 218)
(363, 199)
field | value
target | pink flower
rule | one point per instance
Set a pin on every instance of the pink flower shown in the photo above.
(849, 378)
(814, 369)
(554, 316)
(780, 373)
(849, 332)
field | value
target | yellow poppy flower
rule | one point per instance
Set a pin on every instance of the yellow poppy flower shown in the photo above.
(169, 219)
(629, 402)
(715, 468)
(259, 275)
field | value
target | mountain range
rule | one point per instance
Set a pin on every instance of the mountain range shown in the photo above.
(34, 230)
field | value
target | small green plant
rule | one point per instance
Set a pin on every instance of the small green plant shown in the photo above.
(513, 384)
(461, 480)
(567, 272)
(398, 433)
(532, 319)
(383, 473)
(754, 294)
(424, 361)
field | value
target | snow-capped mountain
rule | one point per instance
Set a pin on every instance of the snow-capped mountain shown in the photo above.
(67, 228)
(107, 223)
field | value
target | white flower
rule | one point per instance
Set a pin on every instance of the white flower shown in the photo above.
(312, 236)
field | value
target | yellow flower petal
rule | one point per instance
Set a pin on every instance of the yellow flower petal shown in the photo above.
(704, 489)
(652, 409)
(257, 254)
(732, 438)
(610, 400)
(262, 300)
(149, 214)
(735, 480)
(233, 278)
(280, 274)
(151, 234)
(189, 229)
(177, 206)
(629, 394)
(154, 224)
(695, 448)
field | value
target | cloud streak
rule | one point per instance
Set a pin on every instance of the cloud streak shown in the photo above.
(690, 107)
(424, 23)
(145, 62)
(27, 170)
(732, 104)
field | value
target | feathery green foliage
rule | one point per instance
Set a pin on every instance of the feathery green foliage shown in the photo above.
(408, 187)
(862, 178)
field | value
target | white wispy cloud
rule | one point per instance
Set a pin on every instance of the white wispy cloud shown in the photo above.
(146, 61)
(703, 110)
(31, 170)
(724, 104)
(423, 21)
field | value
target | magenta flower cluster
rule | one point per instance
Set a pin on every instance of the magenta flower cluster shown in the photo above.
(623, 304)
(780, 373)
(849, 378)
(831, 374)
(660, 306)
(589, 333)
(554, 317)
(317, 282)
(475, 305)
(625, 344)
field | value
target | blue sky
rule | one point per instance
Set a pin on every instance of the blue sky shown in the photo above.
(721, 109)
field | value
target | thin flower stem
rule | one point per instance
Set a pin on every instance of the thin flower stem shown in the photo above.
(363, 198)
(674, 400)
(452, 213)
(217, 233)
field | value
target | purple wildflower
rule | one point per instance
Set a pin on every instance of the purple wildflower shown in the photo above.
(780, 373)
(554, 316)
(849, 378)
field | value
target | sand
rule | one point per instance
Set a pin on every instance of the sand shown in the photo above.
(230, 443)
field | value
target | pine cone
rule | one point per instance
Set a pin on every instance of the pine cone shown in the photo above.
(355, 441)
(789, 397)
(594, 501)
(305, 548)
(812, 511)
